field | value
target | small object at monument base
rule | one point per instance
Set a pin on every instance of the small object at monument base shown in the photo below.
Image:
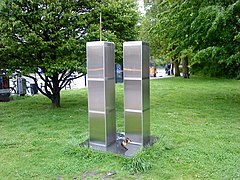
(125, 142)
(117, 148)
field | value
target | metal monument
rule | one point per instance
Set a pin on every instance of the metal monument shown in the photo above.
(101, 94)
(136, 91)
(101, 98)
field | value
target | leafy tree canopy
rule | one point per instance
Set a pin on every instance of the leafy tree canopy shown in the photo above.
(51, 36)
(208, 31)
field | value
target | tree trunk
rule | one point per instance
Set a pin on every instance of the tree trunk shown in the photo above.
(56, 100)
(176, 66)
(172, 69)
(52, 85)
(185, 67)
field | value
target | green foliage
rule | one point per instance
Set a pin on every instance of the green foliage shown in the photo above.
(137, 165)
(52, 36)
(209, 28)
(119, 20)
(46, 35)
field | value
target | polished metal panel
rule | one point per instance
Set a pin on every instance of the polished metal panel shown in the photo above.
(95, 61)
(146, 93)
(133, 126)
(97, 128)
(101, 93)
(110, 94)
(109, 63)
(132, 65)
(136, 91)
(145, 63)
(111, 126)
(132, 96)
(146, 126)
(96, 98)
(137, 127)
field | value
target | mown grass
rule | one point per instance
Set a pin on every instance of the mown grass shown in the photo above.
(197, 120)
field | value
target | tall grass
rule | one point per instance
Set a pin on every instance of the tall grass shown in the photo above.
(197, 120)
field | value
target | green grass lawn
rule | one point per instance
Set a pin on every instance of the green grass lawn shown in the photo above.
(197, 120)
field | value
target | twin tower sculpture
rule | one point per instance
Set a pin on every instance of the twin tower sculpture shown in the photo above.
(101, 92)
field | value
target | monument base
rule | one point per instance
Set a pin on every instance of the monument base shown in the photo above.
(117, 148)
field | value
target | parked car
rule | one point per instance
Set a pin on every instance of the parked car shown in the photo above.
(152, 72)
(160, 72)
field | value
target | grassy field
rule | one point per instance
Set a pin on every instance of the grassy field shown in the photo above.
(197, 120)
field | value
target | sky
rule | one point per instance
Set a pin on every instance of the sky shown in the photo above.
(141, 7)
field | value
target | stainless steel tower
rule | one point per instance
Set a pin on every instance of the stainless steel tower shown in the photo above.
(101, 93)
(136, 91)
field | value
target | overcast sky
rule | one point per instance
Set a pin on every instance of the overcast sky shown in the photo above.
(141, 8)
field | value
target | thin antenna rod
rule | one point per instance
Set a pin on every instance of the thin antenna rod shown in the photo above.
(100, 26)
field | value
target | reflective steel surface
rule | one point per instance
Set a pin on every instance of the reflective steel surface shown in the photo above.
(136, 91)
(109, 58)
(134, 126)
(101, 93)
(96, 95)
(132, 60)
(97, 127)
(146, 94)
(110, 94)
(132, 94)
(145, 60)
(111, 126)
(95, 60)
(146, 126)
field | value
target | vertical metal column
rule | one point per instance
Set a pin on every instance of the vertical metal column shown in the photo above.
(136, 91)
(101, 93)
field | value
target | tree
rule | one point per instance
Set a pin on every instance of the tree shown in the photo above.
(208, 30)
(155, 29)
(119, 22)
(49, 37)
(216, 44)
